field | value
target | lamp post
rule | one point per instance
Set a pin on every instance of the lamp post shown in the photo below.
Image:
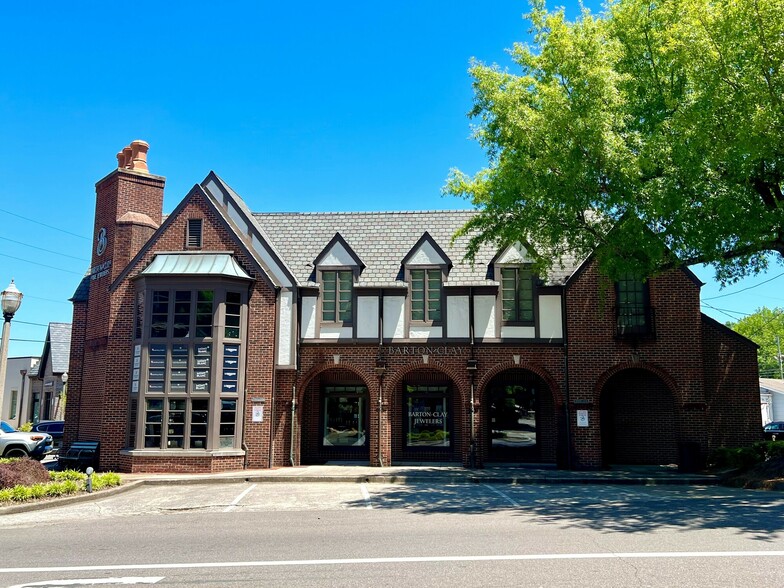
(10, 299)
(59, 413)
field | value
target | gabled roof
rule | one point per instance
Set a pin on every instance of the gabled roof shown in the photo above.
(338, 252)
(220, 208)
(425, 251)
(58, 345)
(382, 240)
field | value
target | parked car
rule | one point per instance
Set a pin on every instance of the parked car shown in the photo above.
(774, 430)
(54, 428)
(15, 443)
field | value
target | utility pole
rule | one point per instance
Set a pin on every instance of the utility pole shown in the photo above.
(778, 347)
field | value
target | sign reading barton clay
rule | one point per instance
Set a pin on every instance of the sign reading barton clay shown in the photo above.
(427, 350)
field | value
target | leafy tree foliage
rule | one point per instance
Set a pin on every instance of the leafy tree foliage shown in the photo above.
(652, 135)
(763, 327)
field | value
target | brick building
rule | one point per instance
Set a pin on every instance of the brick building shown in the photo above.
(215, 338)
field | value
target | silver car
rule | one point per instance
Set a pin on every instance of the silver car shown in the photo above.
(15, 443)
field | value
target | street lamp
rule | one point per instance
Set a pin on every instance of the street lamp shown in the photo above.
(10, 300)
(60, 412)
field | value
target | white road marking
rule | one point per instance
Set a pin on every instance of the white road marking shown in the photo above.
(94, 581)
(366, 495)
(396, 560)
(236, 501)
(502, 495)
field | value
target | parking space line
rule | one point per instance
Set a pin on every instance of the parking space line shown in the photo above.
(366, 495)
(502, 495)
(236, 501)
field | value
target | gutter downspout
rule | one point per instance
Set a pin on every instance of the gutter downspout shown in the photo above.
(380, 374)
(296, 375)
(567, 398)
(243, 443)
(472, 446)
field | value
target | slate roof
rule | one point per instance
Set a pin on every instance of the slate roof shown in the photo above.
(381, 240)
(59, 340)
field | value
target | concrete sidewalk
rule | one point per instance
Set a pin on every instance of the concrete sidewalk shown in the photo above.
(439, 474)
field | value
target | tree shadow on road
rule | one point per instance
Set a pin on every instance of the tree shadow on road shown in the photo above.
(608, 508)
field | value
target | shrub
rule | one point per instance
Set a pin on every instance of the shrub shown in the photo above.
(22, 471)
(27, 427)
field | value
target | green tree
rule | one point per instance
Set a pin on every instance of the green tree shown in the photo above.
(763, 327)
(667, 116)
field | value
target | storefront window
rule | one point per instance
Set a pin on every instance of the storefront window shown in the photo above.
(344, 416)
(513, 417)
(427, 417)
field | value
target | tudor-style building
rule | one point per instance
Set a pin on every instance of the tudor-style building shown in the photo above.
(215, 338)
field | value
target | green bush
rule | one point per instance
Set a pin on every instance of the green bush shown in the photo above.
(61, 484)
(744, 458)
(27, 427)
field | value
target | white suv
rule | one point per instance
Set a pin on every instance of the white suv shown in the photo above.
(15, 443)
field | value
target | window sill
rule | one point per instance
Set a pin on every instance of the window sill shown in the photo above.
(182, 452)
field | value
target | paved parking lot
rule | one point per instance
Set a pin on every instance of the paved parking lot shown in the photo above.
(632, 508)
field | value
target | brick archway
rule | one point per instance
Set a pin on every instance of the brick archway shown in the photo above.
(341, 391)
(519, 420)
(446, 387)
(638, 417)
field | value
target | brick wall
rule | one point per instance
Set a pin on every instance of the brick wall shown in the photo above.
(731, 387)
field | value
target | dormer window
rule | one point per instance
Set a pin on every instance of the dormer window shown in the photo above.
(336, 297)
(426, 265)
(517, 292)
(426, 289)
(517, 295)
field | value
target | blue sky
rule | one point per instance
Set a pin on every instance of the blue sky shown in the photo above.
(310, 106)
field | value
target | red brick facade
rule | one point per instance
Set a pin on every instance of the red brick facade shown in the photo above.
(638, 399)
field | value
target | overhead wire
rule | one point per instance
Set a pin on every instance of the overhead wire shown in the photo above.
(42, 264)
(44, 224)
(46, 250)
(745, 289)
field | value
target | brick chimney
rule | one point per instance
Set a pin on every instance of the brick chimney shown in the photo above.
(128, 210)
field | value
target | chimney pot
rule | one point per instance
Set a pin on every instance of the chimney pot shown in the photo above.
(139, 153)
(127, 156)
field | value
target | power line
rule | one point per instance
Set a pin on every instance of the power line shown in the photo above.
(18, 322)
(28, 340)
(744, 289)
(47, 299)
(43, 265)
(46, 250)
(45, 225)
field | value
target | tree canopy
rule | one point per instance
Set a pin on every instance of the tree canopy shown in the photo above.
(763, 327)
(651, 135)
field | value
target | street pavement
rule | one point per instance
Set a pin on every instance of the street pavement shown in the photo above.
(218, 531)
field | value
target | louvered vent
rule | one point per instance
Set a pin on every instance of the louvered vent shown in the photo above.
(194, 233)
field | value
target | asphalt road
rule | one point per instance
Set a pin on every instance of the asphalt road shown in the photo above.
(339, 534)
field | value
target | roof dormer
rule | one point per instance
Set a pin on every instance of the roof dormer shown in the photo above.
(427, 252)
(338, 253)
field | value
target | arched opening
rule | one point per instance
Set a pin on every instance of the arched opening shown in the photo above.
(425, 417)
(638, 420)
(520, 423)
(335, 418)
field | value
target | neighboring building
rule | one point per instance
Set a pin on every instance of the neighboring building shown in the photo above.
(216, 339)
(48, 380)
(16, 397)
(771, 399)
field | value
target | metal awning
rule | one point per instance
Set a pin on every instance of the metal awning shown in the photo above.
(200, 264)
